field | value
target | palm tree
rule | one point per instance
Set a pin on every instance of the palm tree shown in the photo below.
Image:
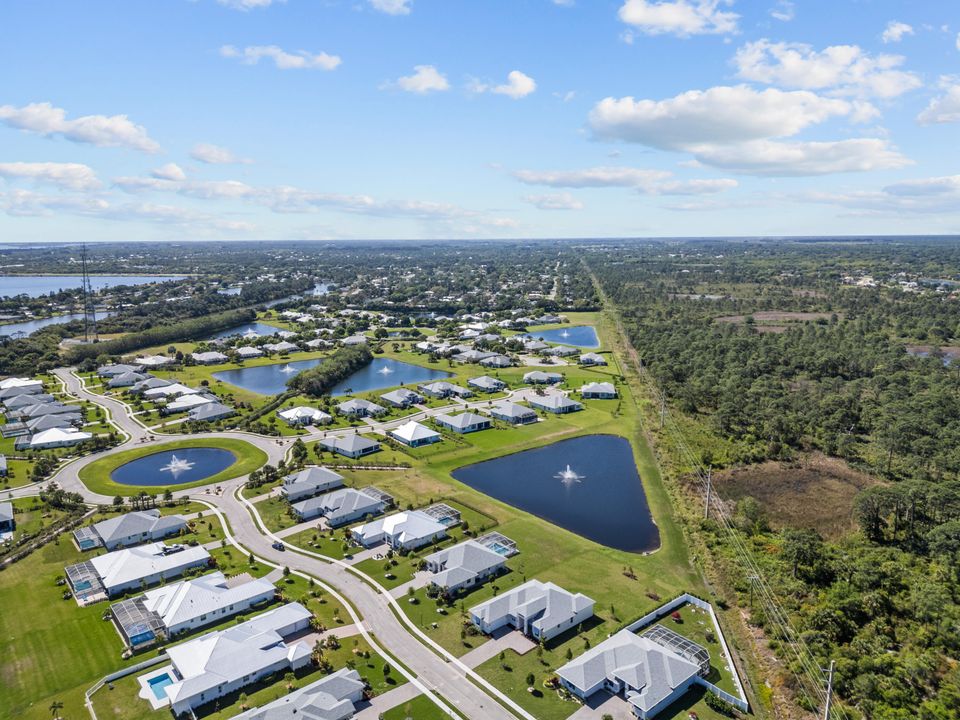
(55, 707)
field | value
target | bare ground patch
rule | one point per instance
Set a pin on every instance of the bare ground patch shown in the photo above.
(816, 491)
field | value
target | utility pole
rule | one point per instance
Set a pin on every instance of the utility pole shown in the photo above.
(827, 705)
(706, 509)
(752, 579)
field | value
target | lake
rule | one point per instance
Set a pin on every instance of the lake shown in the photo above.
(266, 379)
(588, 485)
(174, 467)
(258, 327)
(584, 336)
(37, 285)
(27, 327)
(385, 373)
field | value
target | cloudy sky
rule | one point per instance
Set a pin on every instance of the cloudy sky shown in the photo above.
(319, 119)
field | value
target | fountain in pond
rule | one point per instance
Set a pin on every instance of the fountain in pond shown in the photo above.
(385, 370)
(177, 466)
(569, 476)
(287, 370)
(565, 333)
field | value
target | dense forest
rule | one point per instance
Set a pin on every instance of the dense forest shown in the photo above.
(318, 381)
(778, 350)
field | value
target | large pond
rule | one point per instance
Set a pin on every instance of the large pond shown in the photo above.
(384, 373)
(28, 327)
(584, 336)
(588, 485)
(258, 327)
(37, 285)
(174, 467)
(266, 379)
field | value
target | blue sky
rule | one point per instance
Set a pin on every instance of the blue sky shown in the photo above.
(320, 119)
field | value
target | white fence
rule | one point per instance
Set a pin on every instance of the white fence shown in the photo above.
(740, 699)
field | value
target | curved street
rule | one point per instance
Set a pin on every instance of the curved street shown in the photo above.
(434, 667)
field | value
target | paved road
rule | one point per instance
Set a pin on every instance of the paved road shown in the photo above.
(435, 669)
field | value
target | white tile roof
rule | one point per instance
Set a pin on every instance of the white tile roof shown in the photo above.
(184, 601)
(412, 431)
(121, 567)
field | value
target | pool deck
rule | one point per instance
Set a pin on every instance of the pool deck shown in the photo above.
(146, 690)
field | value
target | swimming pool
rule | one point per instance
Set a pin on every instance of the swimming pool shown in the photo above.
(158, 685)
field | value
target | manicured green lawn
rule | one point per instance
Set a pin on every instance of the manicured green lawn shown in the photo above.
(420, 708)
(31, 515)
(96, 475)
(275, 513)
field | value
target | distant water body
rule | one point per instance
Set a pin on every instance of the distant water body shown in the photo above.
(28, 327)
(37, 285)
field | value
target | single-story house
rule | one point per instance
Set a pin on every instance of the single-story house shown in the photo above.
(540, 610)
(7, 522)
(221, 662)
(534, 345)
(592, 358)
(538, 377)
(485, 383)
(442, 389)
(549, 320)
(47, 422)
(208, 358)
(211, 412)
(473, 356)
(561, 351)
(333, 697)
(341, 506)
(351, 446)
(55, 438)
(50, 408)
(131, 568)
(155, 361)
(167, 391)
(646, 674)
(555, 403)
(187, 402)
(20, 401)
(401, 398)
(599, 390)
(309, 482)
(464, 565)
(463, 423)
(358, 407)
(406, 530)
(354, 340)
(109, 371)
(3, 465)
(318, 343)
(513, 413)
(248, 352)
(127, 379)
(132, 528)
(281, 347)
(304, 415)
(149, 384)
(497, 361)
(413, 434)
(186, 605)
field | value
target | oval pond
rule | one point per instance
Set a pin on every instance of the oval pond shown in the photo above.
(174, 467)
(587, 485)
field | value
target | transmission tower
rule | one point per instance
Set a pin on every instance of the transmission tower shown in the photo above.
(89, 307)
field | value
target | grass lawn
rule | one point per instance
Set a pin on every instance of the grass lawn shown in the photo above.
(274, 511)
(96, 475)
(31, 515)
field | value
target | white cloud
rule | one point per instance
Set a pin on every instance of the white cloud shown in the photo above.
(247, 4)
(958, 41)
(842, 69)
(592, 177)
(100, 130)
(732, 128)
(518, 85)
(554, 201)
(215, 155)
(785, 159)
(70, 176)
(679, 17)
(784, 11)
(645, 181)
(895, 31)
(717, 115)
(170, 171)
(946, 107)
(392, 7)
(300, 60)
(564, 3)
(425, 79)
(924, 195)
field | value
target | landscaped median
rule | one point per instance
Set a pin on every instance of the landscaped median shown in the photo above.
(97, 475)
